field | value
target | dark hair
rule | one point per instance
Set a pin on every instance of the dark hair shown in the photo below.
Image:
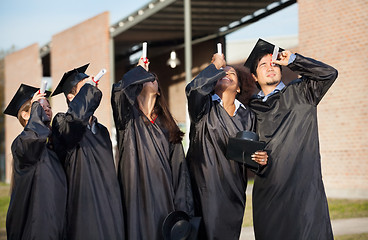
(26, 108)
(161, 109)
(246, 84)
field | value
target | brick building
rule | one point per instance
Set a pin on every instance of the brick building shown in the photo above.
(334, 32)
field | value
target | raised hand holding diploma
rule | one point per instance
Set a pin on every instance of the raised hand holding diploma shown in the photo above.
(144, 63)
(41, 93)
(219, 52)
(283, 58)
(97, 78)
(218, 61)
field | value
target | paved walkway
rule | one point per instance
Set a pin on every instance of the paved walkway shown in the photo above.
(339, 227)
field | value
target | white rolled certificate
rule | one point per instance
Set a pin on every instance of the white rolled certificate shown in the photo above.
(144, 50)
(43, 86)
(219, 48)
(99, 75)
(275, 53)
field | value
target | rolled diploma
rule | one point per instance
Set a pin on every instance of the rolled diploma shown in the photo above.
(99, 75)
(144, 50)
(219, 48)
(43, 86)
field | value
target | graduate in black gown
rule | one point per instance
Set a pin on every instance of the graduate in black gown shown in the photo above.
(216, 114)
(39, 187)
(152, 170)
(94, 208)
(289, 200)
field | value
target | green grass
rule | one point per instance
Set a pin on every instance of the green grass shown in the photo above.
(248, 215)
(343, 208)
(363, 236)
(4, 203)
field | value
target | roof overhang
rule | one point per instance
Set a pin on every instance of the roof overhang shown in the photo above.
(161, 22)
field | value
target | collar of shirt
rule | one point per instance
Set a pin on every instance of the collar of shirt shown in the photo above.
(278, 88)
(237, 103)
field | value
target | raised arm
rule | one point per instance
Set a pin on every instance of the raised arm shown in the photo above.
(29, 145)
(68, 129)
(125, 92)
(317, 77)
(199, 89)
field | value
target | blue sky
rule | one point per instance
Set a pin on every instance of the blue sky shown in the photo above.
(24, 22)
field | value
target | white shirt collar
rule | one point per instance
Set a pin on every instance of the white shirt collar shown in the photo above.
(237, 103)
(278, 88)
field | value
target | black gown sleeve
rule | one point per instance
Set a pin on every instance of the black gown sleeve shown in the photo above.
(199, 89)
(125, 92)
(183, 200)
(28, 146)
(317, 77)
(68, 129)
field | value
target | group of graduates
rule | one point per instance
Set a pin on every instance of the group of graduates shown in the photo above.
(66, 186)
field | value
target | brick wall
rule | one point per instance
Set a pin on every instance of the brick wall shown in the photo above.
(336, 32)
(87, 42)
(23, 66)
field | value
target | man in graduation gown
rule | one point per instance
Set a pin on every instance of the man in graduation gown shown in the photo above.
(94, 208)
(289, 200)
(152, 172)
(39, 187)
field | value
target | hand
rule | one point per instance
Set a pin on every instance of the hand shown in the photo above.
(260, 157)
(283, 58)
(144, 63)
(81, 84)
(218, 60)
(38, 96)
(95, 83)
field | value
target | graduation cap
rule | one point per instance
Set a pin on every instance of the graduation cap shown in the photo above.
(261, 48)
(241, 147)
(179, 226)
(70, 79)
(23, 94)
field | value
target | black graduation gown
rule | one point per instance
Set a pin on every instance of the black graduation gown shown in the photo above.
(94, 208)
(152, 172)
(38, 199)
(289, 200)
(218, 184)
